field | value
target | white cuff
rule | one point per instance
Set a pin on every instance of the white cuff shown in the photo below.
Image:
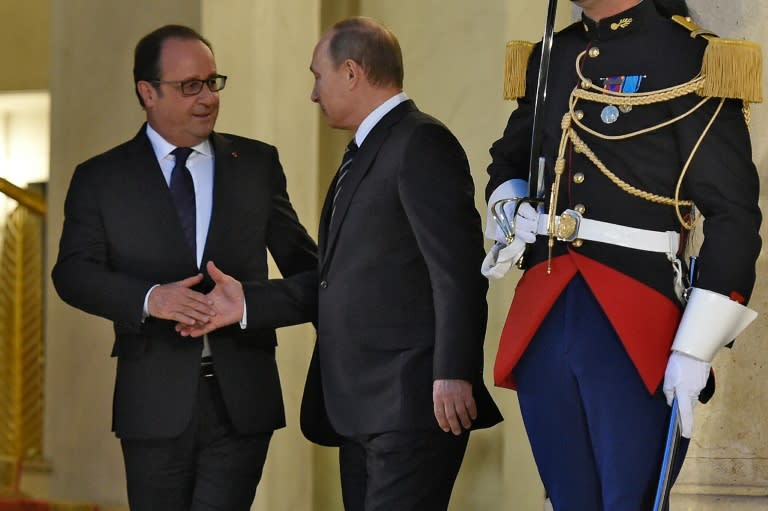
(145, 310)
(710, 321)
(244, 321)
(513, 188)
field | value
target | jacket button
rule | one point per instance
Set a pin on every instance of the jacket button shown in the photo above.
(578, 178)
(577, 243)
(581, 208)
(323, 284)
(594, 52)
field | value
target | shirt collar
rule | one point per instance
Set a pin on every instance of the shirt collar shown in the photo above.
(163, 148)
(376, 115)
(622, 24)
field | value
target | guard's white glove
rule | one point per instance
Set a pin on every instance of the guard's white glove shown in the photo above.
(526, 223)
(685, 377)
(501, 257)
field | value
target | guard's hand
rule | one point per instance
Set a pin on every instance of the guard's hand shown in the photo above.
(685, 377)
(227, 298)
(526, 223)
(500, 259)
(501, 256)
(177, 302)
(454, 405)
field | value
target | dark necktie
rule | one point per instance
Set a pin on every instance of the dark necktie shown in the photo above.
(346, 162)
(183, 193)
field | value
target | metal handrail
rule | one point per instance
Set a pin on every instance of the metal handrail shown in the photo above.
(31, 200)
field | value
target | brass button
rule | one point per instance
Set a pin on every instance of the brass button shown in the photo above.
(323, 284)
(594, 52)
(579, 114)
(581, 208)
(586, 83)
(577, 243)
(578, 178)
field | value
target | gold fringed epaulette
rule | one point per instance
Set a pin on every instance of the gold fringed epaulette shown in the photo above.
(516, 63)
(731, 68)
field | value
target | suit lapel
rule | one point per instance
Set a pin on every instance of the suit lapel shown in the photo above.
(154, 191)
(325, 215)
(360, 166)
(224, 173)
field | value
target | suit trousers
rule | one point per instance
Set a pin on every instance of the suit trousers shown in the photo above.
(596, 433)
(406, 471)
(208, 467)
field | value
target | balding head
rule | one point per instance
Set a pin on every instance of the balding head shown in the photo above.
(357, 66)
(372, 45)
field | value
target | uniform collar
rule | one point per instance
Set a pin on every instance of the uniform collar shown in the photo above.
(630, 21)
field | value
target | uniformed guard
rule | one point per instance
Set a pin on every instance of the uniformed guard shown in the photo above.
(644, 135)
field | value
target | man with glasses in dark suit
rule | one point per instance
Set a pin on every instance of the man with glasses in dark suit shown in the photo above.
(143, 224)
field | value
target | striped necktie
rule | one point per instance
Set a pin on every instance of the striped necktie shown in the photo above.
(346, 163)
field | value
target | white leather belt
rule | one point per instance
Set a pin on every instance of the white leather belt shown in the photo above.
(570, 225)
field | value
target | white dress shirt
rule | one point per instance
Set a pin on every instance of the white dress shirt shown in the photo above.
(373, 118)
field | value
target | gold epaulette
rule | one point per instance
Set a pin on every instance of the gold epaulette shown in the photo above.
(731, 68)
(515, 67)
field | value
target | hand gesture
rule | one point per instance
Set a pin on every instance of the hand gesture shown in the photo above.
(178, 302)
(228, 302)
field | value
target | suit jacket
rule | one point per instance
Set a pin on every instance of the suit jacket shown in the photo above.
(401, 300)
(122, 235)
(634, 287)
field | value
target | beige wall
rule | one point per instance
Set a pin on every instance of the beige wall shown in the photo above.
(24, 44)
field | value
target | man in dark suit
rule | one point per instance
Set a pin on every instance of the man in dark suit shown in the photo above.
(194, 416)
(402, 309)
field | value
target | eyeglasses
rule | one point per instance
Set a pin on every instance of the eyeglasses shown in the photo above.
(193, 87)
